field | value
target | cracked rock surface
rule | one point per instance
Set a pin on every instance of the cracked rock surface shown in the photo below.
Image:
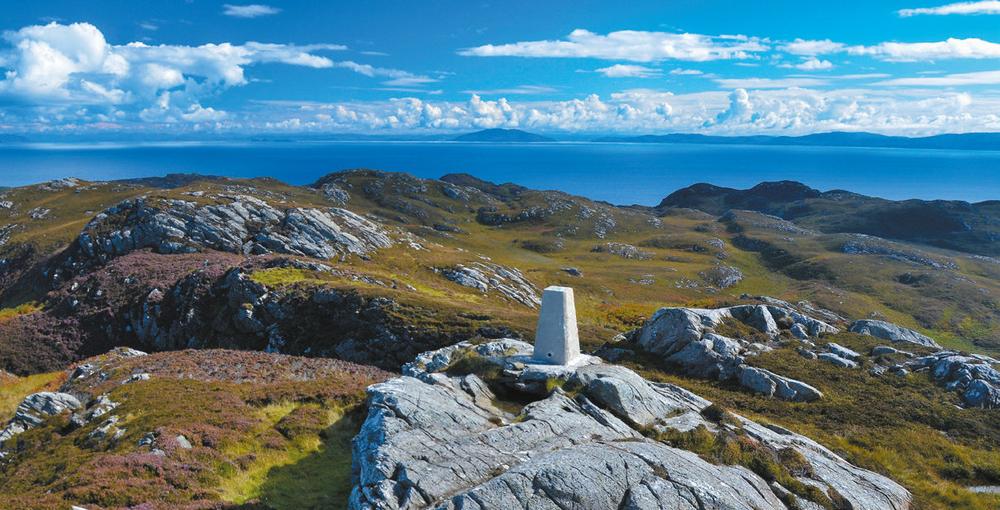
(236, 224)
(439, 440)
(487, 276)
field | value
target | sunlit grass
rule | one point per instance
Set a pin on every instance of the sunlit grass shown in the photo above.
(13, 390)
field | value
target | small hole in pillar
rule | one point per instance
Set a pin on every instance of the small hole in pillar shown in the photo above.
(549, 354)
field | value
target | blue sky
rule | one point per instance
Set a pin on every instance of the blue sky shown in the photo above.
(580, 67)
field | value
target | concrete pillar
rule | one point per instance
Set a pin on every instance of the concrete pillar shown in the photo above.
(556, 338)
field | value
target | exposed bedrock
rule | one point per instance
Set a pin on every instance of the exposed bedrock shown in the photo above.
(437, 438)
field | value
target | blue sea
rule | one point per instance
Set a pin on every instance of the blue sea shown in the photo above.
(620, 173)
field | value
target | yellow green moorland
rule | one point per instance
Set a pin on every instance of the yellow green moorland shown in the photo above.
(269, 441)
(227, 428)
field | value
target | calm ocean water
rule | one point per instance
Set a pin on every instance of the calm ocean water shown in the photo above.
(618, 173)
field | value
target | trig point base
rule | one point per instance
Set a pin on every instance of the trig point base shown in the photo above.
(556, 339)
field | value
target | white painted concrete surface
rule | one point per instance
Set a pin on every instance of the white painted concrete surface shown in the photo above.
(556, 338)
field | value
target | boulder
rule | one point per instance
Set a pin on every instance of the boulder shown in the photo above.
(685, 337)
(843, 352)
(768, 383)
(799, 331)
(980, 393)
(722, 276)
(830, 357)
(891, 332)
(976, 378)
(572, 271)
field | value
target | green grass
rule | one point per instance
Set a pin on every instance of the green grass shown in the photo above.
(321, 479)
(281, 276)
(311, 470)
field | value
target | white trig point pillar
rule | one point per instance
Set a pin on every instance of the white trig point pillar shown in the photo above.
(556, 339)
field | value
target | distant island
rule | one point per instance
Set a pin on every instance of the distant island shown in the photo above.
(956, 141)
(960, 141)
(502, 135)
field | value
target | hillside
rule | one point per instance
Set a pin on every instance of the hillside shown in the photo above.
(267, 309)
(951, 224)
(501, 135)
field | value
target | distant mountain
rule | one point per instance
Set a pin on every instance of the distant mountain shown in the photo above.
(964, 141)
(950, 224)
(501, 135)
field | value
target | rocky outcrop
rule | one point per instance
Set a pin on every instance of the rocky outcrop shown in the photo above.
(625, 251)
(236, 311)
(686, 337)
(60, 184)
(765, 382)
(34, 410)
(722, 276)
(335, 193)
(487, 276)
(891, 332)
(236, 224)
(434, 440)
(194, 301)
(862, 244)
(975, 377)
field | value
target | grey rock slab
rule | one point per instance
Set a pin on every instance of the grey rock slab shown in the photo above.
(423, 442)
(891, 332)
(768, 383)
(427, 443)
(842, 351)
(636, 475)
(832, 358)
(627, 395)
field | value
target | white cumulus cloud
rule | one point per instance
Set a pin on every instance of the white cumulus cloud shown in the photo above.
(983, 7)
(631, 45)
(67, 66)
(812, 47)
(628, 71)
(814, 64)
(948, 80)
(769, 83)
(952, 48)
(249, 11)
(905, 111)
